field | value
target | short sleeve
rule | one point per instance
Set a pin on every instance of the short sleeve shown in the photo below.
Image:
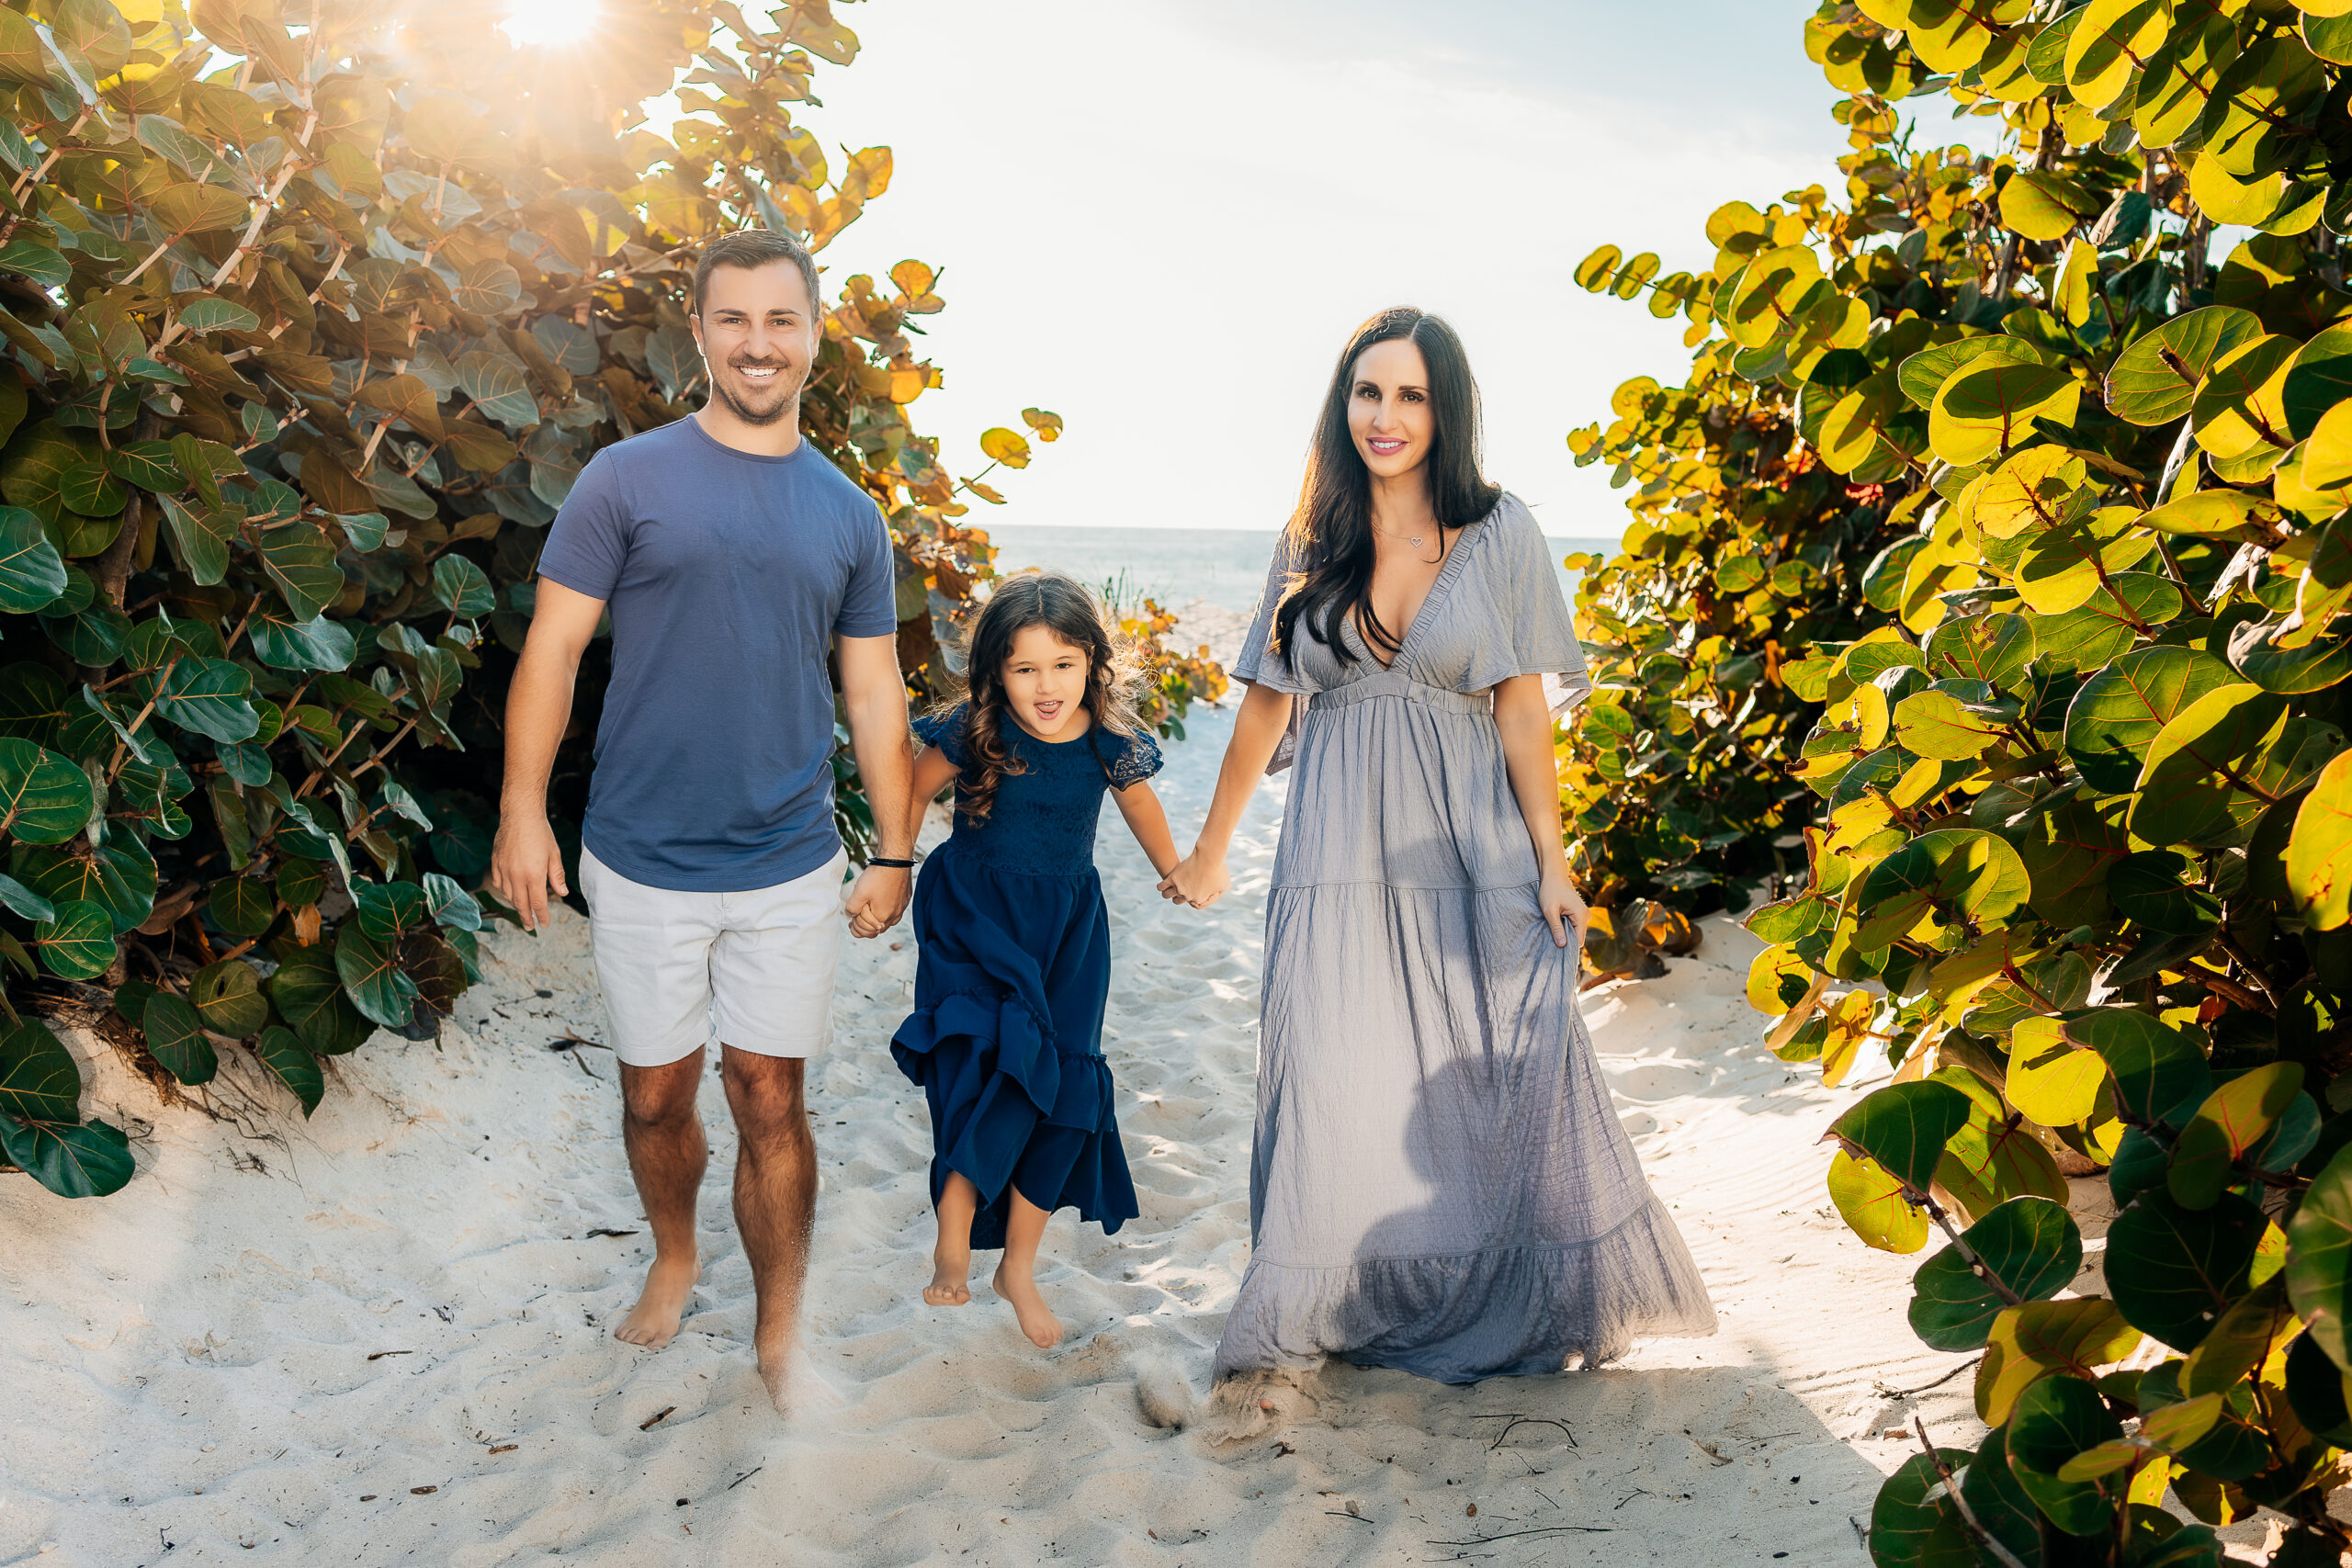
(1136, 759)
(944, 729)
(1260, 664)
(870, 604)
(1541, 632)
(587, 544)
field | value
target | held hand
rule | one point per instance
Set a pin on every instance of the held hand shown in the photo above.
(878, 898)
(1564, 910)
(1197, 880)
(524, 864)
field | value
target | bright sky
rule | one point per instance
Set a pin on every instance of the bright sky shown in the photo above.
(1160, 218)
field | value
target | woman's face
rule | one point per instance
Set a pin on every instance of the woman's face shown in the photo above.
(1388, 408)
(1044, 682)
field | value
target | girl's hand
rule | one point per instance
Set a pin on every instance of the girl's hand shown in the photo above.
(1564, 908)
(1197, 880)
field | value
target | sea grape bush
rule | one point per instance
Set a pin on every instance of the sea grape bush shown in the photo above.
(2055, 654)
(312, 313)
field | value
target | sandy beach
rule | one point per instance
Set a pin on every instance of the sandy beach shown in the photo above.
(383, 1336)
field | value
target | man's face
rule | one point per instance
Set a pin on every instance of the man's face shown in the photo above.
(759, 334)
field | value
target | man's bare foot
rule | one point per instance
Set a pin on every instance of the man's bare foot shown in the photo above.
(653, 1322)
(951, 1274)
(1044, 1329)
(794, 1385)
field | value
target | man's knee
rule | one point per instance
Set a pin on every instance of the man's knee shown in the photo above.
(662, 1097)
(765, 1094)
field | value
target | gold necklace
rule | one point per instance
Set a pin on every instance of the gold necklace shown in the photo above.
(1418, 541)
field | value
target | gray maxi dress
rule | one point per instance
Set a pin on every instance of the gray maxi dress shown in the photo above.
(1437, 1181)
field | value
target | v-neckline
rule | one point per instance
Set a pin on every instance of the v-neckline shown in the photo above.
(1439, 585)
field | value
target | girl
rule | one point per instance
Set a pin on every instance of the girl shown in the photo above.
(1438, 1182)
(1006, 1038)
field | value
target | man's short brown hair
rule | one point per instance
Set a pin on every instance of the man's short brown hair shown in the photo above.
(756, 248)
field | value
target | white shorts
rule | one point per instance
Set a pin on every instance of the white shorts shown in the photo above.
(754, 970)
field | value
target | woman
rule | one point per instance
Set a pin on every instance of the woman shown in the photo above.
(1438, 1182)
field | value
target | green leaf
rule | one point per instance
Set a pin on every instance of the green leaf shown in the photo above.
(2174, 1271)
(200, 539)
(301, 881)
(301, 563)
(15, 895)
(2234, 1119)
(119, 877)
(210, 314)
(296, 1068)
(2054, 1420)
(77, 941)
(2199, 783)
(2160, 889)
(44, 799)
(451, 905)
(210, 697)
(1872, 1201)
(498, 389)
(1902, 1128)
(228, 998)
(308, 991)
(2160, 1075)
(2155, 380)
(283, 643)
(2319, 1258)
(90, 1160)
(2046, 206)
(176, 1038)
(1909, 1531)
(487, 288)
(242, 906)
(1937, 724)
(32, 574)
(38, 1080)
(2118, 713)
(371, 977)
(2319, 854)
(461, 588)
(389, 911)
(2029, 1245)
(1947, 875)
(2040, 1338)
(1990, 407)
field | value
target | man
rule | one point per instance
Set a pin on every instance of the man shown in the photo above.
(732, 557)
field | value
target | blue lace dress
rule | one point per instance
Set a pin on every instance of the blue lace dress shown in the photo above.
(1014, 967)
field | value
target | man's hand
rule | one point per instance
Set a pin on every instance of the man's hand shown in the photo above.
(878, 898)
(524, 864)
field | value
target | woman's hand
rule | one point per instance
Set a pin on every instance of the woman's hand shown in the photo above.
(1564, 908)
(1197, 880)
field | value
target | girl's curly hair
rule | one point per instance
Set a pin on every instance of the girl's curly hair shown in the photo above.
(1062, 604)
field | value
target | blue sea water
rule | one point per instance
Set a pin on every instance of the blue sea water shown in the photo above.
(1225, 565)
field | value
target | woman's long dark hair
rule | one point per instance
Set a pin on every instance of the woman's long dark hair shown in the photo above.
(1058, 602)
(1330, 534)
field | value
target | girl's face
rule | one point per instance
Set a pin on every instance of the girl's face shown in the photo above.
(1044, 682)
(1389, 414)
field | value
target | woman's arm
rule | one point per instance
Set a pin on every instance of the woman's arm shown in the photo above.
(1258, 730)
(1148, 821)
(1525, 724)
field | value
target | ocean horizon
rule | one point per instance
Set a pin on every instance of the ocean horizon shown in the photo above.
(1226, 566)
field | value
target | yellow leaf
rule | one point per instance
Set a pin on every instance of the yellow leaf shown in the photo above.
(1005, 446)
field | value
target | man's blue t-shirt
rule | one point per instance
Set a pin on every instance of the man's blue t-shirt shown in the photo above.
(728, 575)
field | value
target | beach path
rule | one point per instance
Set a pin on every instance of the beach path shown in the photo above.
(383, 1336)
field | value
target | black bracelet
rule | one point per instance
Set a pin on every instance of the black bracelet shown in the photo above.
(893, 865)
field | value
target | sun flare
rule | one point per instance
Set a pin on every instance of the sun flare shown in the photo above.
(531, 23)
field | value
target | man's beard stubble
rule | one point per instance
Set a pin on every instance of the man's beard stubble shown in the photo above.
(787, 403)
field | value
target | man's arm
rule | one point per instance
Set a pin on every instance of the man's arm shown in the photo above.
(874, 696)
(526, 862)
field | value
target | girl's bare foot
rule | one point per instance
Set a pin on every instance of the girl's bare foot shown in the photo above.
(1044, 1329)
(653, 1322)
(951, 1273)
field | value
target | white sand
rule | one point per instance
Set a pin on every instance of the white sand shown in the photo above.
(381, 1337)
